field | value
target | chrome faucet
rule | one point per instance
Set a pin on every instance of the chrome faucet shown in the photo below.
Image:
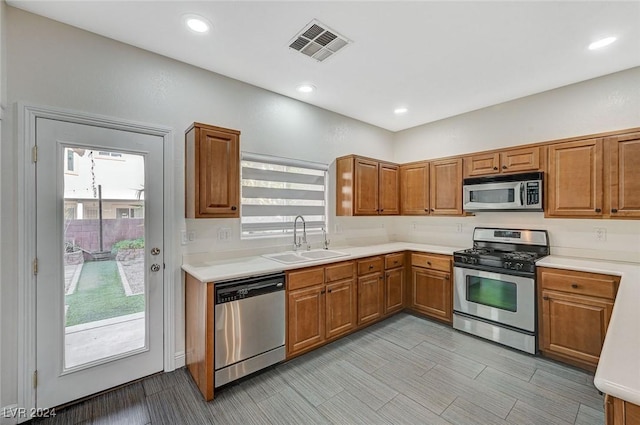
(324, 236)
(297, 242)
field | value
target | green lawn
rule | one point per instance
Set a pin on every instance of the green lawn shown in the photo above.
(100, 295)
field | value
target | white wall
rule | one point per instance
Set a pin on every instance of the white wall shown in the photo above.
(603, 104)
(3, 86)
(53, 64)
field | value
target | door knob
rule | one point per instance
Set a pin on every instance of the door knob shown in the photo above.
(155, 251)
(155, 267)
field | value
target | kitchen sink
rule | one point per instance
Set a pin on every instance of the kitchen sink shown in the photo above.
(321, 254)
(292, 257)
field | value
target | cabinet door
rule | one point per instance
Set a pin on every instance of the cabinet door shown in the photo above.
(370, 298)
(445, 187)
(389, 184)
(481, 165)
(518, 160)
(305, 319)
(366, 187)
(574, 185)
(574, 326)
(341, 307)
(414, 189)
(431, 293)
(394, 290)
(625, 176)
(218, 174)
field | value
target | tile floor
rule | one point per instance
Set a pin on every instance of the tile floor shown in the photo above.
(405, 370)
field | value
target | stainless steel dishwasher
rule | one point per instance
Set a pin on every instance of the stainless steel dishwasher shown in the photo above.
(249, 326)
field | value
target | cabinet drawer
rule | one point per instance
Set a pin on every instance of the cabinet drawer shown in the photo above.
(339, 271)
(370, 265)
(597, 285)
(305, 278)
(393, 260)
(431, 261)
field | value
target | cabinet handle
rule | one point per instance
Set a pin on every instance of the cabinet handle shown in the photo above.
(380, 277)
(598, 210)
(432, 210)
(428, 263)
(233, 208)
(330, 290)
(495, 168)
(381, 209)
(504, 167)
(574, 285)
(446, 278)
(323, 291)
(426, 209)
(614, 210)
(395, 262)
(371, 266)
(545, 298)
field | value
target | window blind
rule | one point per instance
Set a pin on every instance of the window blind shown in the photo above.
(275, 190)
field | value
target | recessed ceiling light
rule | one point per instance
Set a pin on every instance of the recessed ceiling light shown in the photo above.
(400, 111)
(602, 43)
(306, 88)
(197, 23)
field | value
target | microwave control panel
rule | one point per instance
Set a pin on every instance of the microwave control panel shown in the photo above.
(533, 193)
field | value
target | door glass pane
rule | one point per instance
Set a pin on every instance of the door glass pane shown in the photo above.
(104, 256)
(493, 293)
(492, 196)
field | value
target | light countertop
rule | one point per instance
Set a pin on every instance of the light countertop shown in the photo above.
(213, 271)
(618, 372)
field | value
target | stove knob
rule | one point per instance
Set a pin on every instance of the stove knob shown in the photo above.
(473, 260)
(519, 266)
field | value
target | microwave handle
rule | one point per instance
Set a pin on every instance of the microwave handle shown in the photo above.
(521, 194)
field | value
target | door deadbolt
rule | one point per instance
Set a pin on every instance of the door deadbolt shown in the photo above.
(155, 251)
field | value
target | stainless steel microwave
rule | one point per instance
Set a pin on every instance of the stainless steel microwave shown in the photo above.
(514, 192)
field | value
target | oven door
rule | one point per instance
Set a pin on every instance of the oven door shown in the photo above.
(497, 297)
(494, 196)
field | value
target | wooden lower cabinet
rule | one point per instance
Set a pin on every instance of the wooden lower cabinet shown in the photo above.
(574, 312)
(394, 290)
(340, 308)
(431, 293)
(305, 318)
(370, 298)
(620, 412)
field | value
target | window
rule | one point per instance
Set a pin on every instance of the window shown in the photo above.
(276, 190)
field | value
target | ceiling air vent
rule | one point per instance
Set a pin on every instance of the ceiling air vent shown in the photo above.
(317, 41)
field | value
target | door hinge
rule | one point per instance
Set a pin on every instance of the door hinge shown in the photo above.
(35, 379)
(35, 266)
(34, 154)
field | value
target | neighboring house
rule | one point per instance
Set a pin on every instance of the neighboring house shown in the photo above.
(120, 176)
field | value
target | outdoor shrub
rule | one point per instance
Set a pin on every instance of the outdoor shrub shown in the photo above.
(128, 244)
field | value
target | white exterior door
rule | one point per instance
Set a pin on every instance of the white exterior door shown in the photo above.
(99, 248)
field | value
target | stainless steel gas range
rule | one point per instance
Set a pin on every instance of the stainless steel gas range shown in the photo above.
(494, 293)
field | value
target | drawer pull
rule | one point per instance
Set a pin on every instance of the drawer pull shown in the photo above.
(495, 168)
(504, 167)
(370, 266)
(574, 285)
(395, 262)
(428, 263)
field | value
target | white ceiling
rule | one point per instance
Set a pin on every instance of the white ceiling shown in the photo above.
(438, 58)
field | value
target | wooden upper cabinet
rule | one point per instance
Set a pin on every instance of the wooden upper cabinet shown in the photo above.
(212, 172)
(366, 186)
(574, 184)
(624, 185)
(388, 186)
(445, 187)
(414, 189)
(506, 161)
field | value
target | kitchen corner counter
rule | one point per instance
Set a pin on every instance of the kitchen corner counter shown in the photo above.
(618, 372)
(212, 271)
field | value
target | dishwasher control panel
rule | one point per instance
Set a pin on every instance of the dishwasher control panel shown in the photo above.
(240, 289)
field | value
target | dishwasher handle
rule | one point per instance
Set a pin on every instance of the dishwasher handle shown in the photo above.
(247, 288)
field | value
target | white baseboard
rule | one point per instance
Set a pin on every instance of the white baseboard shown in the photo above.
(180, 359)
